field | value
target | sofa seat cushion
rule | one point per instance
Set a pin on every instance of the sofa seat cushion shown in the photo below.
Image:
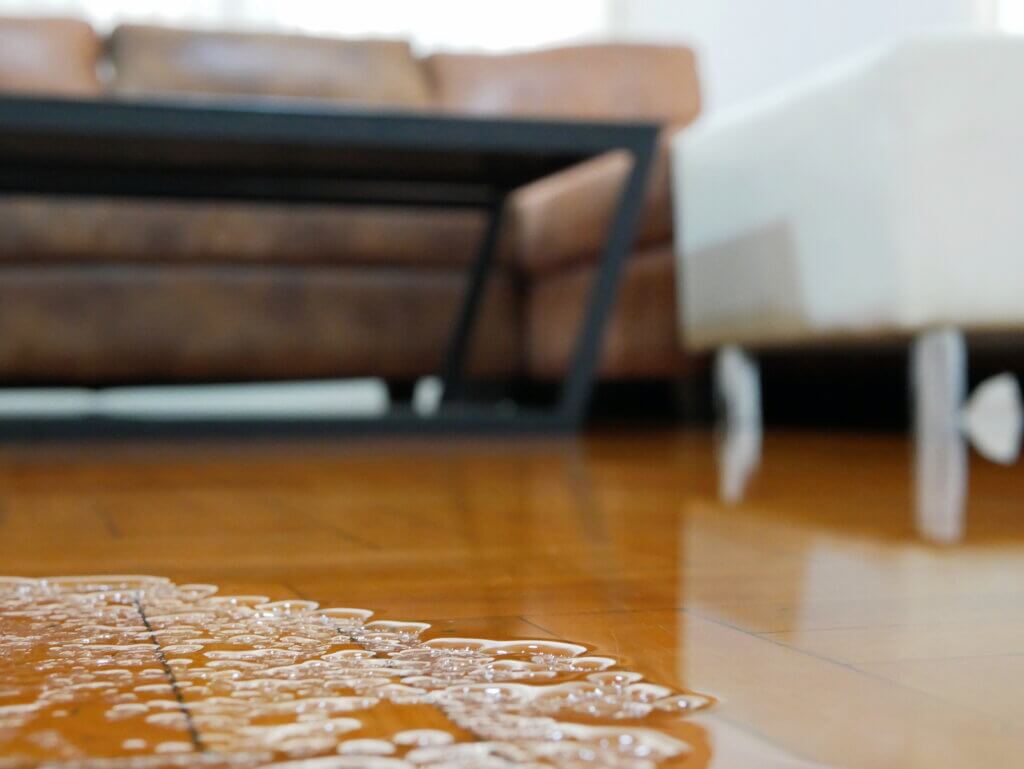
(52, 57)
(640, 341)
(56, 229)
(600, 82)
(91, 324)
(152, 60)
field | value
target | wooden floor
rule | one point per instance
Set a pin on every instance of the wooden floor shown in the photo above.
(830, 634)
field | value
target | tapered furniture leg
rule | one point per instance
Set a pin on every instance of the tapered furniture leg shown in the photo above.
(939, 387)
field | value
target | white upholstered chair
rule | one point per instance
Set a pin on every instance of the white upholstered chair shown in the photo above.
(883, 199)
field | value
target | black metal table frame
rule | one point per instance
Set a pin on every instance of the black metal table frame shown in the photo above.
(256, 125)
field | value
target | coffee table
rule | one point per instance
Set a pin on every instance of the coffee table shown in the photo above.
(263, 151)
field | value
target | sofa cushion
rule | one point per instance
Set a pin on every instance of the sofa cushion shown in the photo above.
(153, 60)
(641, 339)
(97, 323)
(615, 81)
(146, 230)
(564, 218)
(55, 57)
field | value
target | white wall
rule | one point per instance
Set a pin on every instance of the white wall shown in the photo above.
(749, 46)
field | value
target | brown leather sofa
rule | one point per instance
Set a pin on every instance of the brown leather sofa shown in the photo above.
(103, 290)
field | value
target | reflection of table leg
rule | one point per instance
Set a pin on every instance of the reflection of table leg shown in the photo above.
(737, 382)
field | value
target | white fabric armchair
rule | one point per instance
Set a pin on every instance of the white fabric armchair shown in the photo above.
(883, 199)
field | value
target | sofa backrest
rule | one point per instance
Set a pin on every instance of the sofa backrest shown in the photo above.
(610, 81)
(164, 61)
(613, 81)
(57, 57)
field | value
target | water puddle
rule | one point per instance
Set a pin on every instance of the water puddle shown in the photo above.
(132, 672)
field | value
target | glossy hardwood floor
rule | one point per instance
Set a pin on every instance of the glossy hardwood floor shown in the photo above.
(831, 635)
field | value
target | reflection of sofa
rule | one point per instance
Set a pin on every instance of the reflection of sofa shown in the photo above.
(101, 289)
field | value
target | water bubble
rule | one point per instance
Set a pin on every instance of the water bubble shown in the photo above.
(366, 747)
(126, 710)
(286, 608)
(423, 738)
(171, 746)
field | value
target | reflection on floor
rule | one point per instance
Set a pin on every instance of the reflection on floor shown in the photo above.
(832, 635)
(945, 423)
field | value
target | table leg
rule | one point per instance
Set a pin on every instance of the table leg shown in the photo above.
(452, 375)
(579, 382)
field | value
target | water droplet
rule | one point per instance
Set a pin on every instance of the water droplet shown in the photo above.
(366, 747)
(174, 747)
(422, 738)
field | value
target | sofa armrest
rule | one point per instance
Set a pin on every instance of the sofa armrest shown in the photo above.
(564, 218)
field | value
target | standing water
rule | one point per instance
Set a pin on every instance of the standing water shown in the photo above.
(132, 672)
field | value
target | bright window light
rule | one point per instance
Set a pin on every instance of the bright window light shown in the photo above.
(442, 23)
(1010, 15)
(450, 24)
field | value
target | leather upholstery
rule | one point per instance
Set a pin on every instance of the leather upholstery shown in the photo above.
(55, 57)
(140, 290)
(564, 218)
(174, 231)
(115, 322)
(615, 81)
(161, 61)
(557, 225)
(641, 339)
